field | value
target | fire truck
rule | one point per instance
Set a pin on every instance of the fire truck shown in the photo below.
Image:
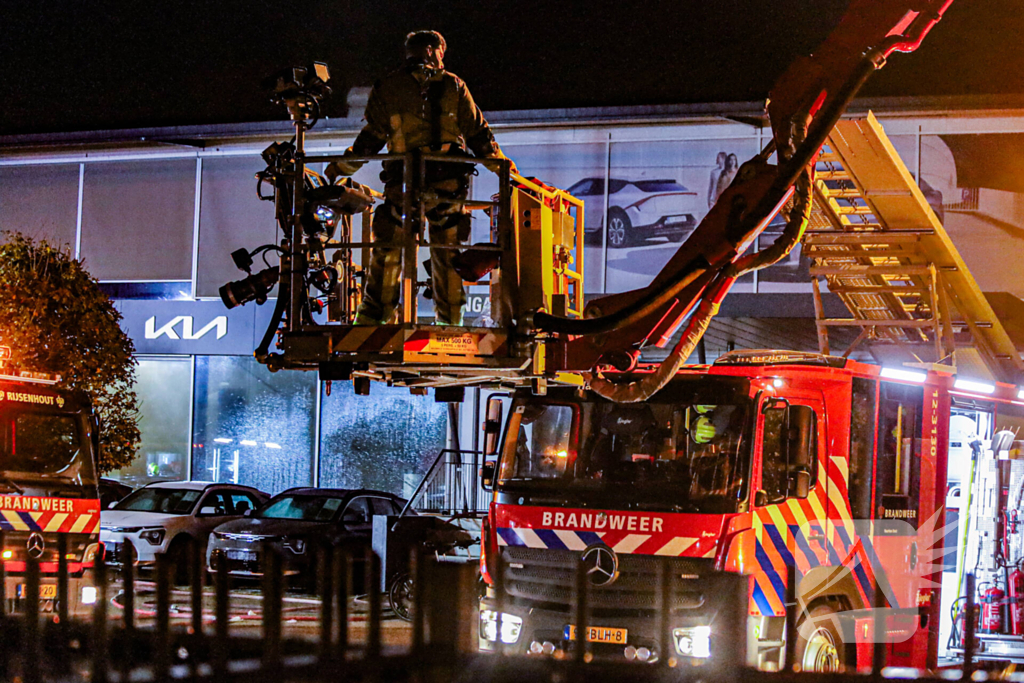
(762, 462)
(49, 504)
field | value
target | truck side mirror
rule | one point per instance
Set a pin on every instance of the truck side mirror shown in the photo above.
(492, 426)
(800, 448)
(487, 475)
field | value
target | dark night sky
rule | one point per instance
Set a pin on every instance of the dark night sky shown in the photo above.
(68, 65)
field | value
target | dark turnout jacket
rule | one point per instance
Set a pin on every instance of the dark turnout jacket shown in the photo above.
(417, 107)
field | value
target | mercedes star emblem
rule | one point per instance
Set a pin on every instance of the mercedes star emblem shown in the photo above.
(35, 546)
(602, 565)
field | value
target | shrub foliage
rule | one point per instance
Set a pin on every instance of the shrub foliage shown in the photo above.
(56, 319)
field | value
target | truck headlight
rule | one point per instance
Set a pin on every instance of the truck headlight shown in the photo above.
(91, 551)
(693, 642)
(153, 536)
(511, 625)
(88, 595)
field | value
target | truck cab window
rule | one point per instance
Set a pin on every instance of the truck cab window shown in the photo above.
(862, 446)
(898, 469)
(541, 445)
(778, 472)
(774, 477)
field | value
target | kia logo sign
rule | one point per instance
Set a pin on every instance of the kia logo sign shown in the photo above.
(185, 324)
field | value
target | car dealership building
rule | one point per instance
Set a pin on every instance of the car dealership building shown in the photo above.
(155, 214)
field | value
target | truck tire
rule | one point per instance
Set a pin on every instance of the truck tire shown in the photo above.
(819, 644)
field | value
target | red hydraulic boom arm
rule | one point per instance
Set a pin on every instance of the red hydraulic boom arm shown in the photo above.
(804, 105)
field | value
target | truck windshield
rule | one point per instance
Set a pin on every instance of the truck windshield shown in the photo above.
(39, 445)
(689, 455)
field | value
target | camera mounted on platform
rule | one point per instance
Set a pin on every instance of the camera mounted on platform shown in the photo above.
(301, 90)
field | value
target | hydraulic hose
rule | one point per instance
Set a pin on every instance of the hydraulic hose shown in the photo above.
(788, 175)
(796, 224)
(794, 172)
(649, 385)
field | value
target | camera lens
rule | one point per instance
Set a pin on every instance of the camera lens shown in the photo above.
(252, 288)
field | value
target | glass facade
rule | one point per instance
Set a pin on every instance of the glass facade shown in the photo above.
(164, 387)
(252, 426)
(386, 440)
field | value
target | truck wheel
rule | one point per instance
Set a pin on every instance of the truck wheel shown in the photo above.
(819, 642)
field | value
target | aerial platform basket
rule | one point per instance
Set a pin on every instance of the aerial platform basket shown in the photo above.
(536, 244)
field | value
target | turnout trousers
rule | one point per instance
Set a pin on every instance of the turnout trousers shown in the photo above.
(447, 224)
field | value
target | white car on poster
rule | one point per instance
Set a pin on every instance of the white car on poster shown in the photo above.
(638, 210)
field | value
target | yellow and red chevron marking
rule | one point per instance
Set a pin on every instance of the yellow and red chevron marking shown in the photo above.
(368, 339)
(61, 515)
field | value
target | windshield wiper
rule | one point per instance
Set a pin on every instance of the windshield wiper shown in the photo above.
(11, 485)
(667, 507)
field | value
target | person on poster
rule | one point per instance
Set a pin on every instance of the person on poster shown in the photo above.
(715, 173)
(732, 165)
(419, 106)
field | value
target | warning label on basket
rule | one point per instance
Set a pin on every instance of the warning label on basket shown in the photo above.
(462, 344)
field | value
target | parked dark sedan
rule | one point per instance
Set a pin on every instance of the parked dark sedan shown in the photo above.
(291, 522)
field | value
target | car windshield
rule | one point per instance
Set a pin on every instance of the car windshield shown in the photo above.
(687, 453)
(162, 500)
(307, 508)
(37, 445)
(659, 186)
(588, 187)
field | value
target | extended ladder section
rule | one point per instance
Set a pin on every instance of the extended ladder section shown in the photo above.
(881, 248)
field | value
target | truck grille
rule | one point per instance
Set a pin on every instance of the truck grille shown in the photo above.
(539, 576)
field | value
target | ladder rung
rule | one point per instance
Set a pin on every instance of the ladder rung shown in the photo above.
(881, 289)
(858, 322)
(850, 271)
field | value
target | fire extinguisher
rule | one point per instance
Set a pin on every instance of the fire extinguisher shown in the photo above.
(992, 610)
(1016, 588)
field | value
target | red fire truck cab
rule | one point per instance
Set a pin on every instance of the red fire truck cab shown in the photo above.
(763, 460)
(48, 498)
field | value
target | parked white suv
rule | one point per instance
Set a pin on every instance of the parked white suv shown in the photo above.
(638, 210)
(164, 517)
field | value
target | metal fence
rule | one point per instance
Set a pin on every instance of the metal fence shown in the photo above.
(137, 632)
(452, 485)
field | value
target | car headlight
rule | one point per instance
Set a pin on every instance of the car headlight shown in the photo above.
(511, 625)
(153, 536)
(88, 595)
(693, 642)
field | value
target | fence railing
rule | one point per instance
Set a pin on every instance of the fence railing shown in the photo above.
(451, 485)
(155, 631)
